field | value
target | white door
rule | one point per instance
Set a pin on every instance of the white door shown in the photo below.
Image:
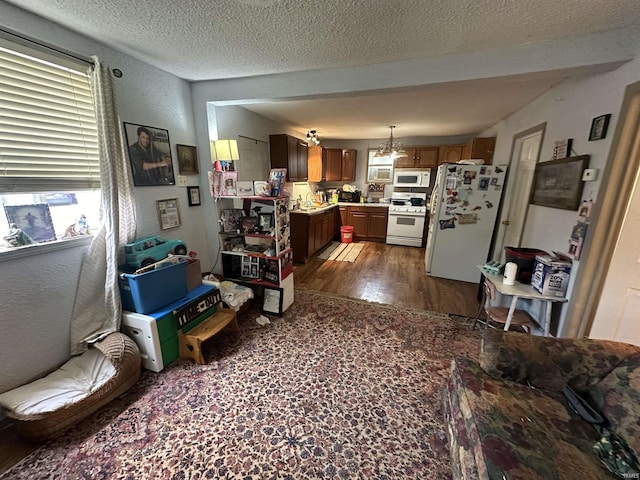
(514, 211)
(618, 313)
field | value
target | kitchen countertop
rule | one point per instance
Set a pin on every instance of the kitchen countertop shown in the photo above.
(317, 210)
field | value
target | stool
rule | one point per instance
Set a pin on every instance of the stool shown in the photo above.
(190, 342)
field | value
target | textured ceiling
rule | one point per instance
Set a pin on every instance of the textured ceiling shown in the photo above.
(207, 39)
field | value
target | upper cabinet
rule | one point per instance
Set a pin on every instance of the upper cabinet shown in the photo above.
(290, 153)
(340, 164)
(317, 162)
(450, 154)
(478, 148)
(419, 157)
(481, 147)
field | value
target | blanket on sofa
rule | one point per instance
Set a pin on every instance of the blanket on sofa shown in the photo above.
(507, 416)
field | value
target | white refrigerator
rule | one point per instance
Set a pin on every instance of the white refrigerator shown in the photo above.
(463, 213)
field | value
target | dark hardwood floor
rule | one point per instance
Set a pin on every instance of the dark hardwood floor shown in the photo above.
(382, 273)
(389, 274)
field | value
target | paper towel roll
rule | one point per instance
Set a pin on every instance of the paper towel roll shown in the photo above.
(510, 271)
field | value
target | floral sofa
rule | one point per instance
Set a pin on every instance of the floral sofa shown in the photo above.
(507, 415)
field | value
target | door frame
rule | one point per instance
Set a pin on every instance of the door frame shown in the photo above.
(541, 128)
(615, 192)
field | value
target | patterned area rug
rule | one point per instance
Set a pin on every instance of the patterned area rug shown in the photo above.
(336, 388)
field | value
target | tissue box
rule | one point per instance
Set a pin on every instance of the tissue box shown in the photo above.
(551, 274)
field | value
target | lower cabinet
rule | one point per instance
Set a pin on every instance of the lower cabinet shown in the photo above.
(310, 233)
(369, 223)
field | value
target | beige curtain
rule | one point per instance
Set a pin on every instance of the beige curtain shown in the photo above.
(97, 308)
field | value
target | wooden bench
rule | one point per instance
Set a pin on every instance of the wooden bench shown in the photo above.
(191, 341)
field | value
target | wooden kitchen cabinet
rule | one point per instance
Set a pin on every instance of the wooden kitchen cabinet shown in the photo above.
(369, 223)
(290, 153)
(349, 156)
(419, 157)
(310, 233)
(378, 224)
(344, 215)
(341, 164)
(317, 162)
(481, 147)
(450, 153)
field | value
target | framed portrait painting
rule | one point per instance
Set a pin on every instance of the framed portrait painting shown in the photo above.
(187, 160)
(149, 155)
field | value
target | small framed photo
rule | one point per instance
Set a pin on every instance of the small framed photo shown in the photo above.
(599, 127)
(260, 188)
(33, 222)
(272, 301)
(168, 213)
(187, 159)
(229, 184)
(245, 188)
(193, 194)
(266, 221)
(277, 178)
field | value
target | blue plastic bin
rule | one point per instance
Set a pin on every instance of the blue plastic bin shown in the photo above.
(146, 292)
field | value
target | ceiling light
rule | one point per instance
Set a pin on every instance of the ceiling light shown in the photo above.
(312, 136)
(391, 148)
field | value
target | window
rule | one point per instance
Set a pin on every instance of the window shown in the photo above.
(49, 163)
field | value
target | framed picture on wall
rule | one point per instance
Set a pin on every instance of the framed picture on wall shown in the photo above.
(599, 126)
(168, 213)
(149, 155)
(558, 183)
(193, 195)
(187, 159)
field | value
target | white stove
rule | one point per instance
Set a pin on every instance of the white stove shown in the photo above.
(407, 216)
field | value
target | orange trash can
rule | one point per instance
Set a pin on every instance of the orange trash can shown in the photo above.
(346, 234)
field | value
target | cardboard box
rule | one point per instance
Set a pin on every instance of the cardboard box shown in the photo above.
(551, 274)
(146, 292)
(194, 275)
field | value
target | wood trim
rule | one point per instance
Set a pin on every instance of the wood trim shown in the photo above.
(618, 181)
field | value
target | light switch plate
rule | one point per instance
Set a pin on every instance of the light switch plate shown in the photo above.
(181, 180)
(589, 174)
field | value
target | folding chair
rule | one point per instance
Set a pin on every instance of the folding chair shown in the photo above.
(521, 319)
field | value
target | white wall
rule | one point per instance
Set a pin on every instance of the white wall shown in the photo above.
(568, 110)
(38, 291)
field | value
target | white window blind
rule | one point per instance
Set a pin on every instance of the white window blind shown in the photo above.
(48, 136)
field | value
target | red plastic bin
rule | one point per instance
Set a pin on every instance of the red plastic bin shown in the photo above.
(524, 258)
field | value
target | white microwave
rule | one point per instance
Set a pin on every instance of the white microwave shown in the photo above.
(411, 178)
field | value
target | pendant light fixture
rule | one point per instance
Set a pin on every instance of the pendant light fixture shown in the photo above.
(312, 136)
(391, 148)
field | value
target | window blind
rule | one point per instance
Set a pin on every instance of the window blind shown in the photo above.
(48, 135)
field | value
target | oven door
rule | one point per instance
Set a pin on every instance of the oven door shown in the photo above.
(405, 228)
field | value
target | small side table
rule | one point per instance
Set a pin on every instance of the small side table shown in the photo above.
(190, 342)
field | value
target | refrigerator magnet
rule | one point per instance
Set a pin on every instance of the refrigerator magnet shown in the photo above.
(448, 223)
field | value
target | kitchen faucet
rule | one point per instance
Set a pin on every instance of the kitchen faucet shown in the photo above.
(309, 202)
